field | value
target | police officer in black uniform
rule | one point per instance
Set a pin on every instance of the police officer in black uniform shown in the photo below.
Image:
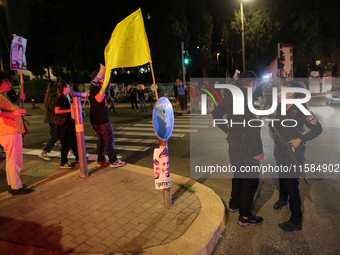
(296, 136)
(245, 149)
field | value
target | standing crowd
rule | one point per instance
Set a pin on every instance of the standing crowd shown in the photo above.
(244, 143)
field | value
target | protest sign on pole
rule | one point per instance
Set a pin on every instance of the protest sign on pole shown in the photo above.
(18, 53)
(18, 58)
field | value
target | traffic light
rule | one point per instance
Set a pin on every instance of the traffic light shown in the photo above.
(186, 58)
(280, 57)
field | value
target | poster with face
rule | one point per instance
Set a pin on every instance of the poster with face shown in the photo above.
(161, 168)
(18, 53)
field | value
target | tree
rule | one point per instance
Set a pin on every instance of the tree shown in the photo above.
(260, 40)
(200, 29)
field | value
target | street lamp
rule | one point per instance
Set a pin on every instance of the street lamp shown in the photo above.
(218, 66)
(243, 51)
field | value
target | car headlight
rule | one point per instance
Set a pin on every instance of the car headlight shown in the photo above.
(328, 96)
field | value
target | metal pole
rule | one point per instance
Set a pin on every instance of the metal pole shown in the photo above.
(166, 192)
(78, 116)
(243, 51)
(218, 66)
(183, 67)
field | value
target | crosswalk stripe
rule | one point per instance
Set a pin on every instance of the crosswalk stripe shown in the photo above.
(121, 147)
(193, 116)
(56, 154)
(150, 129)
(186, 126)
(122, 139)
(144, 134)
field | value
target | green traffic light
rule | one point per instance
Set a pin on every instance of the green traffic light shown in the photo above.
(186, 61)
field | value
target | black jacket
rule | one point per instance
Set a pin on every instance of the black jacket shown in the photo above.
(290, 133)
(237, 131)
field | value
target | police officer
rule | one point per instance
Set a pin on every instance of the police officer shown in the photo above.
(245, 149)
(289, 182)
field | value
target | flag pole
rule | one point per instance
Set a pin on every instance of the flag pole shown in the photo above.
(154, 82)
(22, 87)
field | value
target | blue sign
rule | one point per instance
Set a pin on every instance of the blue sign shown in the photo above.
(163, 119)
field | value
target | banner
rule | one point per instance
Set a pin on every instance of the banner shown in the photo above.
(18, 53)
(128, 46)
(161, 168)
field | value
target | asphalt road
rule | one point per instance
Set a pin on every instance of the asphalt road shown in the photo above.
(321, 199)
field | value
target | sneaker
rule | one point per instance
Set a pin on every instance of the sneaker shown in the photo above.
(290, 227)
(105, 163)
(252, 220)
(44, 156)
(118, 163)
(67, 165)
(21, 191)
(233, 210)
(279, 204)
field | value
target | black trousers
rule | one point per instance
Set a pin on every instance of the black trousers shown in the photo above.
(289, 182)
(134, 101)
(67, 136)
(182, 102)
(244, 184)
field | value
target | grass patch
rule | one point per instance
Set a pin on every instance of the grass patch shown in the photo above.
(188, 187)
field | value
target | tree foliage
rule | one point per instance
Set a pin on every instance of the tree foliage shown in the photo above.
(70, 36)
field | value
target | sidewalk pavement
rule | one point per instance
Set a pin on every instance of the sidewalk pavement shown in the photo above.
(113, 211)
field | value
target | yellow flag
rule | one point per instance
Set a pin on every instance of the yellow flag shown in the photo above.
(128, 46)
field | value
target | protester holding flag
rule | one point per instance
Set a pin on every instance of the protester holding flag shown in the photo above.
(102, 125)
(11, 130)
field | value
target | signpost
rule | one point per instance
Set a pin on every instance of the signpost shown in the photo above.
(163, 123)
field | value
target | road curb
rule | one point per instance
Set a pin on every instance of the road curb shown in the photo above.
(202, 236)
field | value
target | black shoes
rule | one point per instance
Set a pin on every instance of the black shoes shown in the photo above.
(279, 204)
(289, 227)
(20, 191)
(252, 220)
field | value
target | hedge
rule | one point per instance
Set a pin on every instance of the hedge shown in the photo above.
(35, 89)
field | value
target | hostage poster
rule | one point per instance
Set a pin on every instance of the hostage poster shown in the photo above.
(18, 53)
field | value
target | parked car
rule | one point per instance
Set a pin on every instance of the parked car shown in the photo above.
(333, 96)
